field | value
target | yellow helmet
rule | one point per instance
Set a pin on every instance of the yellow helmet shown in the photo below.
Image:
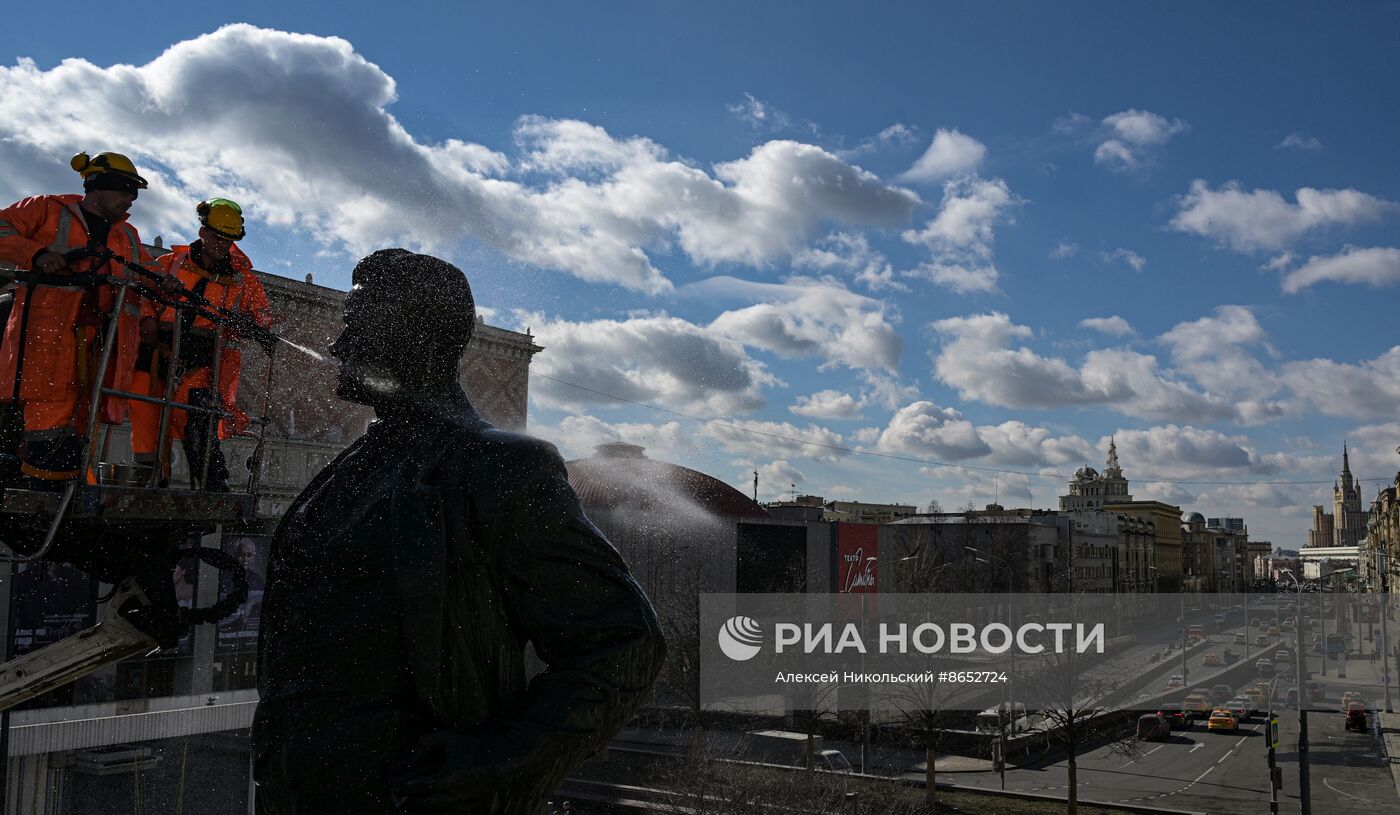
(223, 216)
(114, 164)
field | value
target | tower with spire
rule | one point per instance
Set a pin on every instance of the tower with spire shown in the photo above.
(1348, 518)
(1091, 490)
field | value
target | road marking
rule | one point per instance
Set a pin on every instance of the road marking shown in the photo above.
(1145, 755)
(1242, 740)
(1329, 786)
(1198, 745)
(1202, 775)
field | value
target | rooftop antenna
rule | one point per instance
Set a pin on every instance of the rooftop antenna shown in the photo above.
(755, 486)
(794, 491)
(996, 489)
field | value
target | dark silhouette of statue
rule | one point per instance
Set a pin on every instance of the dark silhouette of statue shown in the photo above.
(407, 579)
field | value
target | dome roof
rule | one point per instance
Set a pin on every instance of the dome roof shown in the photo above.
(620, 475)
(1086, 474)
(1195, 518)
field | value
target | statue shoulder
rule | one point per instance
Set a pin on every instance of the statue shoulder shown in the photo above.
(507, 452)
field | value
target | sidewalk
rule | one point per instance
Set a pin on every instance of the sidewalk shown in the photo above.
(1390, 734)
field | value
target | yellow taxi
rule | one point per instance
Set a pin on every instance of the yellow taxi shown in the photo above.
(1211, 659)
(1196, 706)
(1223, 720)
(1257, 696)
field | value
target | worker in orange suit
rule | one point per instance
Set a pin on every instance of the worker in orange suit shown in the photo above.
(215, 269)
(52, 342)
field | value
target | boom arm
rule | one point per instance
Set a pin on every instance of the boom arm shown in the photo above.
(114, 637)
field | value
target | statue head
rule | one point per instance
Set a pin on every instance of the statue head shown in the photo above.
(408, 318)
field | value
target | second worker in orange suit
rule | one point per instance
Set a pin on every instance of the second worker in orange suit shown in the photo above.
(214, 268)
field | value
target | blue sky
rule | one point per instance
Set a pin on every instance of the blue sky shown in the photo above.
(873, 230)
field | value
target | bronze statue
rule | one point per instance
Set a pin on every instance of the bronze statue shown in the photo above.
(406, 580)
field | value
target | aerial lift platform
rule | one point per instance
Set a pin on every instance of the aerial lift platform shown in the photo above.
(119, 523)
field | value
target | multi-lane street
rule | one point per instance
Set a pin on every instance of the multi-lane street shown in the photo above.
(1219, 772)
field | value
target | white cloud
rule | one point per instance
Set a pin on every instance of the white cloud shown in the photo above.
(1143, 128)
(775, 480)
(983, 358)
(803, 317)
(828, 404)
(760, 439)
(1128, 256)
(971, 208)
(757, 113)
(576, 437)
(1016, 443)
(951, 153)
(1064, 249)
(307, 142)
(1366, 390)
(961, 236)
(925, 429)
(661, 359)
(1375, 267)
(850, 252)
(1113, 326)
(1261, 220)
(896, 135)
(1299, 141)
(1189, 453)
(1132, 135)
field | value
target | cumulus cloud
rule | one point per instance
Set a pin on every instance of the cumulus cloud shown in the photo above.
(984, 358)
(1016, 443)
(1217, 352)
(1299, 141)
(925, 429)
(1131, 136)
(1064, 249)
(828, 404)
(961, 236)
(805, 317)
(576, 436)
(306, 140)
(1375, 267)
(775, 480)
(661, 359)
(851, 253)
(1114, 326)
(1365, 390)
(951, 153)
(1261, 220)
(760, 439)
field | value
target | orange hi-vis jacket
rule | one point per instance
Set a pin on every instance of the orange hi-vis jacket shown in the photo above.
(57, 359)
(240, 293)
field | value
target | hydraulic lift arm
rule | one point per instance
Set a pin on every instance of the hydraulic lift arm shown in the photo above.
(115, 637)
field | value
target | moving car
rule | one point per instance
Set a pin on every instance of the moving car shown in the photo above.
(1351, 697)
(1256, 697)
(1152, 727)
(1211, 659)
(1265, 667)
(1261, 641)
(1221, 693)
(1197, 706)
(1356, 717)
(1242, 707)
(1281, 656)
(1176, 681)
(1291, 698)
(1241, 638)
(1175, 715)
(1222, 720)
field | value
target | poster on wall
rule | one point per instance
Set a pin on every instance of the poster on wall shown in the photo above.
(239, 630)
(857, 558)
(52, 601)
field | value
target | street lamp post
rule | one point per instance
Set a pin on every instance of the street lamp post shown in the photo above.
(1304, 784)
(1007, 699)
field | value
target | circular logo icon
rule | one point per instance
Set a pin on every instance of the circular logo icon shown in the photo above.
(740, 638)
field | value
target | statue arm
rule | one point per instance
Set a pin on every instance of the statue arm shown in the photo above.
(568, 591)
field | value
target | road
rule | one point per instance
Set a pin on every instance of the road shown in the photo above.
(1228, 773)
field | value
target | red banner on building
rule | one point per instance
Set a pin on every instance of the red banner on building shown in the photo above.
(856, 554)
